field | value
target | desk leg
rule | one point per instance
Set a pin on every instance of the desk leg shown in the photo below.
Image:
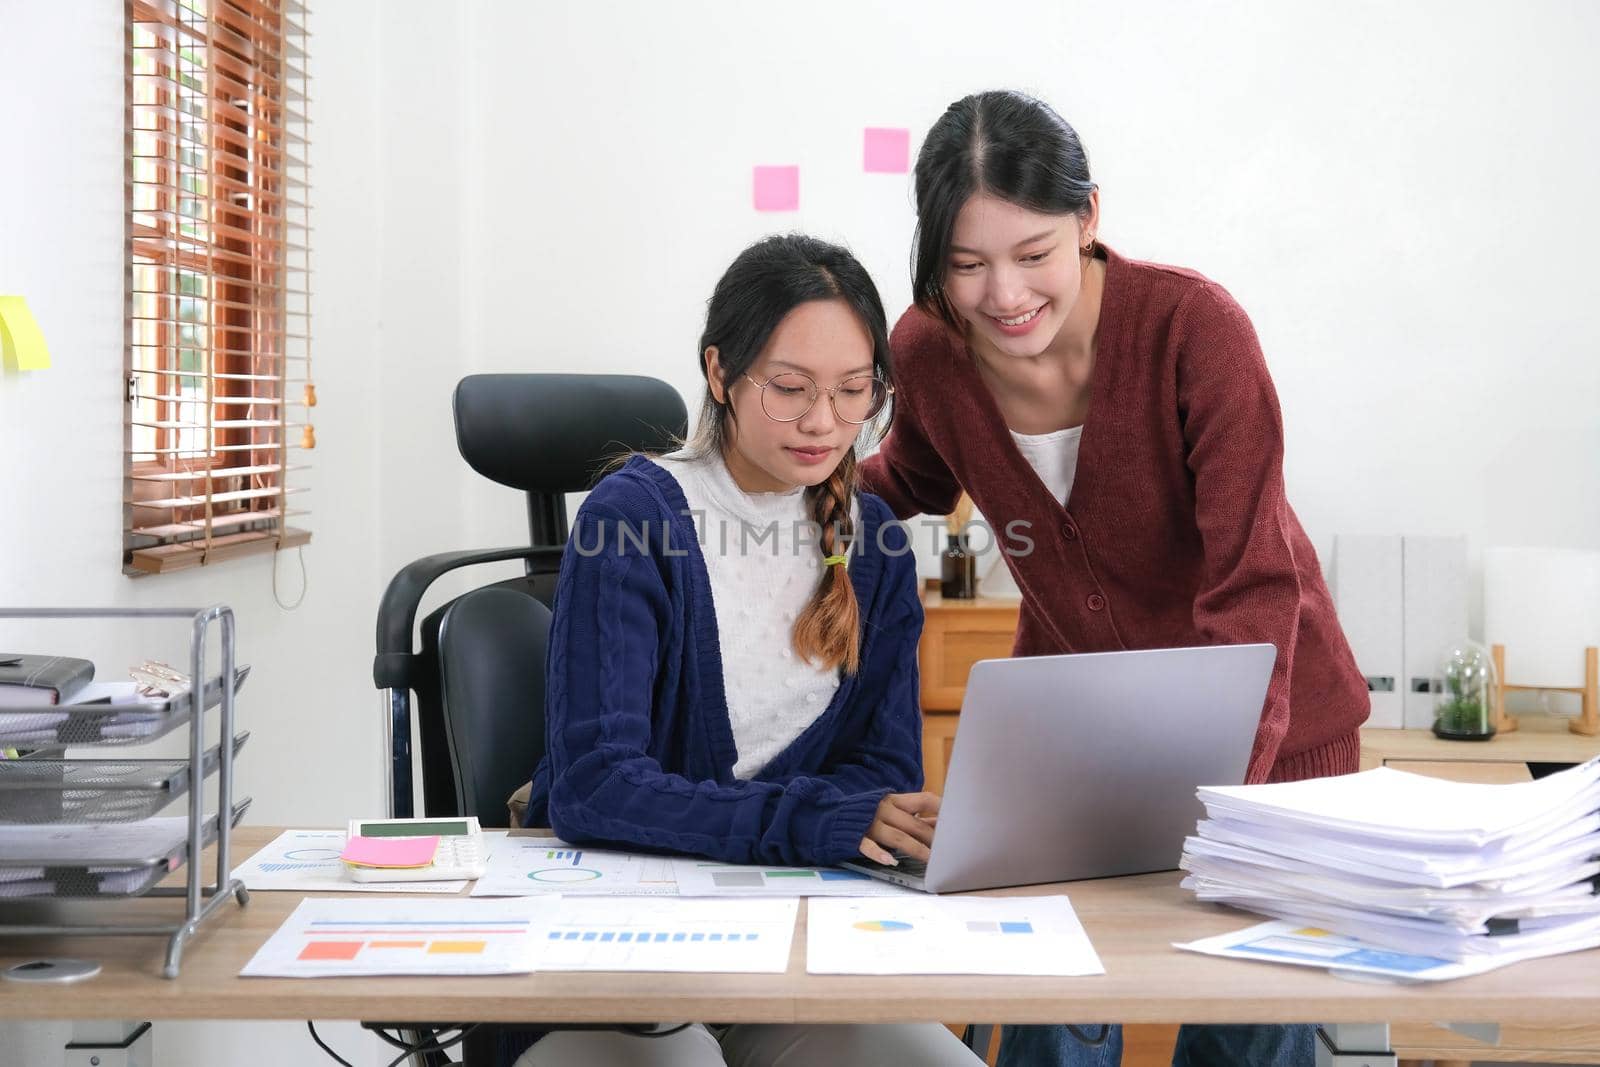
(1354, 1045)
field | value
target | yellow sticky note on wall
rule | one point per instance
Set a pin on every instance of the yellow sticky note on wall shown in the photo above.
(20, 339)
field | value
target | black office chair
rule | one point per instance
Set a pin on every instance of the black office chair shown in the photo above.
(478, 673)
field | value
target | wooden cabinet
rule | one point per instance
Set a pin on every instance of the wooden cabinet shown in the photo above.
(957, 634)
(1538, 739)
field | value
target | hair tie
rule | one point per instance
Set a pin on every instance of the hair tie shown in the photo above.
(835, 561)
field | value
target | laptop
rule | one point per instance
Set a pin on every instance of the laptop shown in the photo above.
(1086, 766)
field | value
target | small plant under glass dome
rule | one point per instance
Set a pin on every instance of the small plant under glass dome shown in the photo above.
(1463, 706)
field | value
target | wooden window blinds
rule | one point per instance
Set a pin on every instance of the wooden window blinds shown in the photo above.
(218, 365)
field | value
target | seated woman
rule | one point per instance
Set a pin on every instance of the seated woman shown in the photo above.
(732, 666)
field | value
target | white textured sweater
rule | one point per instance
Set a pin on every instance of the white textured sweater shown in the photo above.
(764, 563)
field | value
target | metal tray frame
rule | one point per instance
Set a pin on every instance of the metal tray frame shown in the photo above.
(201, 900)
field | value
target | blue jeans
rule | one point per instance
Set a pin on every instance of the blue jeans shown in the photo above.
(1198, 1046)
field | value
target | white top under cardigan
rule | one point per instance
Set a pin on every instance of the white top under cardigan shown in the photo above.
(764, 563)
(1053, 456)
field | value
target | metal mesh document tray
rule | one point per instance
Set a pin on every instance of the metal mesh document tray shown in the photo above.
(36, 790)
(104, 876)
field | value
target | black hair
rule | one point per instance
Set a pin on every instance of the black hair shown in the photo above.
(1002, 143)
(763, 284)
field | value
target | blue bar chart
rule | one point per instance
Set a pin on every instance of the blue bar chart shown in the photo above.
(644, 934)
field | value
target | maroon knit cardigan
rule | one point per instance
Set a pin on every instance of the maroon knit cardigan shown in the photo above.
(1177, 532)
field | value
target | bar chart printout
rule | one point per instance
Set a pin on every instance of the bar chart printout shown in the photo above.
(703, 878)
(427, 936)
(670, 934)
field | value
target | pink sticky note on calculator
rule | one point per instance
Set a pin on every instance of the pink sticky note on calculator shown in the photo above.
(391, 851)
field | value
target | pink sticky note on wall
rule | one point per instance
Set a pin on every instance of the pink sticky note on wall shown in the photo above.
(777, 188)
(886, 151)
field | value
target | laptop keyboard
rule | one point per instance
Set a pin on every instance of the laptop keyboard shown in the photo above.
(912, 868)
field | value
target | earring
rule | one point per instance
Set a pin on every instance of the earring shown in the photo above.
(1088, 250)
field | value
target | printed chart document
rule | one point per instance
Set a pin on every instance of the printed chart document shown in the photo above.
(530, 866)
(308, 861)
(1310, 946)
(707, 878)
(923, 934)
(326, 938)
(676, 934)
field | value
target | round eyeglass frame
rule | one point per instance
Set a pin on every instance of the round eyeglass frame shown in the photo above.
(817, 390)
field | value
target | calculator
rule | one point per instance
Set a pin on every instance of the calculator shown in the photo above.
(461, 852)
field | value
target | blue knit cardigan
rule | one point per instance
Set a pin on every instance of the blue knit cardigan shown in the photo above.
(640, 751)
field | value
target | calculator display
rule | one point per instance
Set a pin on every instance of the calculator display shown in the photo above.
(452, 828)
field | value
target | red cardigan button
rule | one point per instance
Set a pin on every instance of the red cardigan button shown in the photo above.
(1070, 532)
(1096, 602)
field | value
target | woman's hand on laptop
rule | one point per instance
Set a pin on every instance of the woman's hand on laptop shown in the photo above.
(904, 823)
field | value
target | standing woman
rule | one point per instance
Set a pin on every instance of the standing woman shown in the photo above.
(1114, 420)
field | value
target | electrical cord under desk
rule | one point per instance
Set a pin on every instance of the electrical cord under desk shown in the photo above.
(436, 1044)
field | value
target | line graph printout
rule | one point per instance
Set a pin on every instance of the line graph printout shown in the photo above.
(327, 937)
(533, 866)
(669, 934)
(308, 861)
(947, 935)
(704, 878)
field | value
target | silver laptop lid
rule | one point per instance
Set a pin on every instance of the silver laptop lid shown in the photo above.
(1086, 766)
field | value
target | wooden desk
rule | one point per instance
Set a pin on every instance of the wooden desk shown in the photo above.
(1132, 922)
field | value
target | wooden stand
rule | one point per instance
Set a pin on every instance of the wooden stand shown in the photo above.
(1587, 722)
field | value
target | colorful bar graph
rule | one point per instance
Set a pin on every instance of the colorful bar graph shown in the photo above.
(999, 927)
(331, 950)
(457, 948)
(654, 937)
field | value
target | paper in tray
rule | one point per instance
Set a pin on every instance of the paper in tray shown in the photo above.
(105, 723)
(93, 860)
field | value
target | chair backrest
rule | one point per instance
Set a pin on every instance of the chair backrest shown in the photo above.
(546, 435)
(553, 434)
(491, 672)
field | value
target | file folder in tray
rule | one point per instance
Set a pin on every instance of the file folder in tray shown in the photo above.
(104, 724)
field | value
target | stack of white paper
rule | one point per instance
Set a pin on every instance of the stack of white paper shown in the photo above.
(1447, 870)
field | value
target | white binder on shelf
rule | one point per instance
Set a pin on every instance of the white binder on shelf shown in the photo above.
(1368, 591)
(1435, 608)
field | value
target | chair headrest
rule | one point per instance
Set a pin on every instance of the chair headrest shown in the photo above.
(557, 433)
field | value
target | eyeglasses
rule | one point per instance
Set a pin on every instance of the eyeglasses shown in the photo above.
(787, 397)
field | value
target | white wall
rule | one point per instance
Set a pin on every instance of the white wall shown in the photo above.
(314, 753)
(1400, 195)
